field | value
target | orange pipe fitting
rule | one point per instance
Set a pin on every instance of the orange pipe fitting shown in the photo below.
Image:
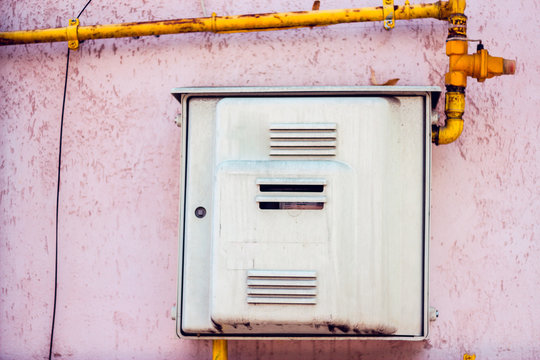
(480, 66)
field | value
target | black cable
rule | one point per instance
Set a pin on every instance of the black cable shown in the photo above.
(84, 8)
(57, 205)
(58, 195)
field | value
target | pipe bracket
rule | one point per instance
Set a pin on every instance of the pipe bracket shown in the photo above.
(388, 14)
(214, 23)
(72, 34)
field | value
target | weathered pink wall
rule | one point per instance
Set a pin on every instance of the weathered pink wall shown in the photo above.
(119, 190)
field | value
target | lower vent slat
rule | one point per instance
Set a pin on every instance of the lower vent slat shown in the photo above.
(281, 287)
(284, 300)
(302, 152)
(285, 292)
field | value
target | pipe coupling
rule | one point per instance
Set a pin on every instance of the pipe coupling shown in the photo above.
(454, 110)
(457, 26)
(455, 104)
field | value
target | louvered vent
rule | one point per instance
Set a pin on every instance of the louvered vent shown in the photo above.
(281, 287)
(303, 139)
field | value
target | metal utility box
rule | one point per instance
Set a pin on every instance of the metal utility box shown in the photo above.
(304, 212)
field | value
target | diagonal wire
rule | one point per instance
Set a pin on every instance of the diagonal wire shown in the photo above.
(57, 206)
(84, 8)
(58, 195)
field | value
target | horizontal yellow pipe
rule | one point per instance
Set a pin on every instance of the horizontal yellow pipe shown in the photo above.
(256, 22)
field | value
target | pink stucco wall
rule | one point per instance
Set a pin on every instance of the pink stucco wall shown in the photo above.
(119, 190)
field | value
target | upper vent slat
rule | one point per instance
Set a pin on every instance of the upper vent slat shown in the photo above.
(303, 139)
(303, 126)
(306, 135)
(274, 274)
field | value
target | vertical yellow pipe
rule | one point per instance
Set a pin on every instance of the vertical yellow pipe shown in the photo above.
(219, 350)
(462, 65)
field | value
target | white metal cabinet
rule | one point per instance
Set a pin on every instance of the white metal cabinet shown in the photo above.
(316, 211)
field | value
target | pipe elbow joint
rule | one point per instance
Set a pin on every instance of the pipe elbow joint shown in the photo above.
(454, 110)
(447, 134)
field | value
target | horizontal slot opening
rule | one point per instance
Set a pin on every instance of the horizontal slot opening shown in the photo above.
(291, 188)
(287, 296)
(279, 205)
(303, 126)
(282, 278)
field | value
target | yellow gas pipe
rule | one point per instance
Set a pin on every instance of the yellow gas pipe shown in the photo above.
(461, 64)
(219, 350)
(238, 23)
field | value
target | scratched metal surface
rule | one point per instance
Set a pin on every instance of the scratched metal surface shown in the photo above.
(118, 215)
